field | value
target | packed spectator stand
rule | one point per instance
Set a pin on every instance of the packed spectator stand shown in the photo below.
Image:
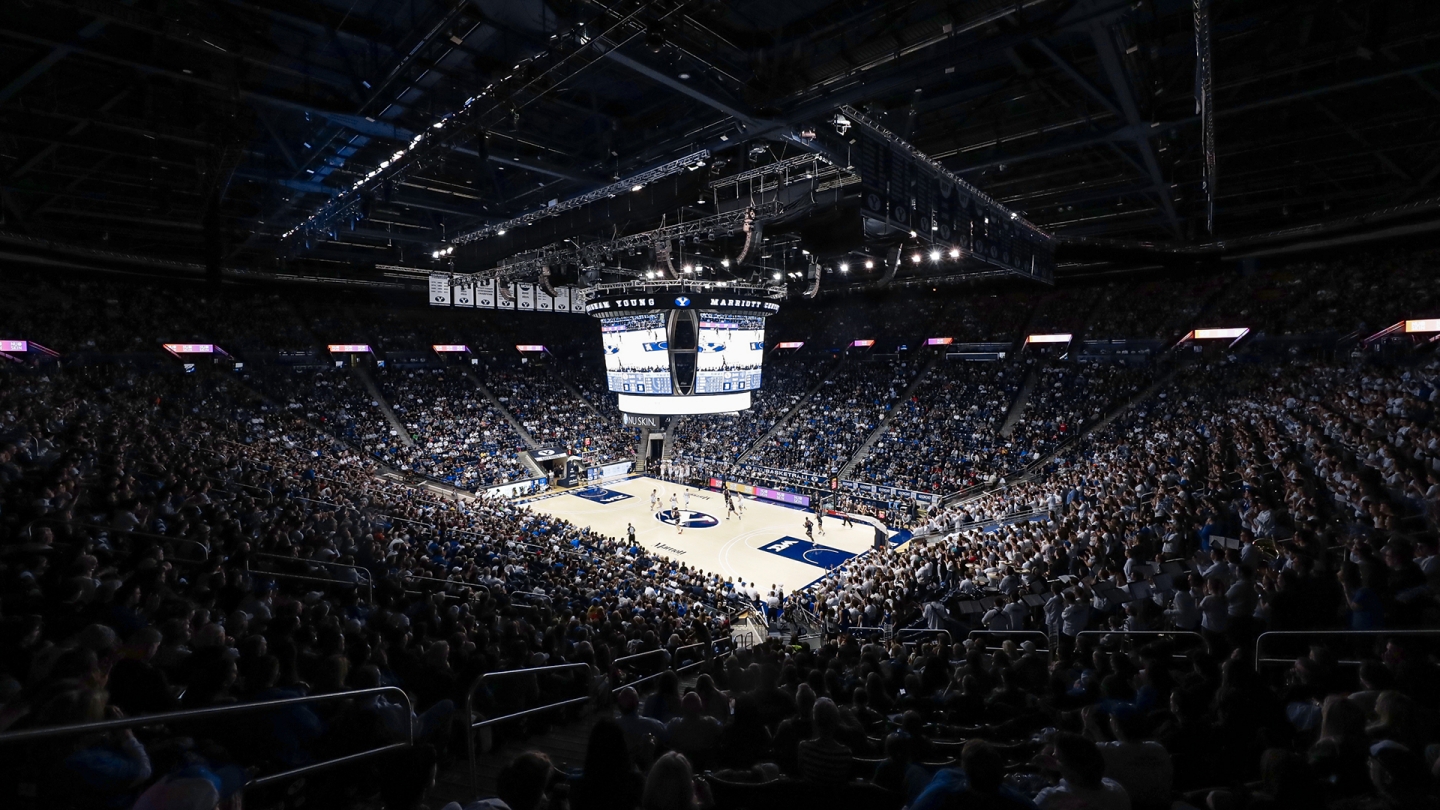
(1089, 632)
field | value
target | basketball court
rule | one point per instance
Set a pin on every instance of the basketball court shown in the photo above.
(766, 544)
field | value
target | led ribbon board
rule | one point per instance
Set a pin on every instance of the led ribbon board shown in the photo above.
(1056, 338)
(349, 348)
(178, 349)
(684, 406)
(1232, 334)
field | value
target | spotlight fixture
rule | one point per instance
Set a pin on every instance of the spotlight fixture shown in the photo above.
(724, 262)
(844, 268)
(500, 232)
(915, 258)
(913, 234)
(934, 255)
(687, 269)
(842, 124)
(636, 187)
(649, 274)
(869, 264)
(684, 76)
(954, 253)
(777, 276)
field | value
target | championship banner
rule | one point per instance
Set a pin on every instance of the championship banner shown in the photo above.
(562, 299)
(485, 293)
(506, 297)
(525, 296)
(543, 301)
(439, 290)
(465, 294)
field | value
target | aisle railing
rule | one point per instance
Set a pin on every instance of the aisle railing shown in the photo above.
(188, 715)
(1040, 634)
(472, 724)
(1330, 634)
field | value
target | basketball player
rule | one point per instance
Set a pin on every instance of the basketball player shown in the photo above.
(820, 519)
(654, 500)
(674, 503)
(675, 516)
(810, 530)
(730, 505)
(687, 499)
(630, 532)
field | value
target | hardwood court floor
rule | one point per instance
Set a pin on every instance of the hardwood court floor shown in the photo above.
(767, 545)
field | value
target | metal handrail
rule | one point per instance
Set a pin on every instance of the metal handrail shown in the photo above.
(639, 656)
(920, 631)
(471, 725)
(1133, 633)
(136, 532)
(881, 628)
(238, 708)
(369, 597)
(544, 596)
(675, 656)
(362, 572)
(1332, 634)
(1049, 650)
(471, 585)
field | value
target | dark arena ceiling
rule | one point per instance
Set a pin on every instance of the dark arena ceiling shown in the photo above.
(194, 136)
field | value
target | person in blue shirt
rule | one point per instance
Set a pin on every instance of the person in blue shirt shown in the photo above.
(978, 783)
(1367, 610)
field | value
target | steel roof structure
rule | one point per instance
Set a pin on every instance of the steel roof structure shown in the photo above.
(344, 139)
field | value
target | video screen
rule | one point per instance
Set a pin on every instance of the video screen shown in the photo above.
(729, 353)
(637, 360)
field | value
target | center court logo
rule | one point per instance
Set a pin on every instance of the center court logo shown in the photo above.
(689, 519)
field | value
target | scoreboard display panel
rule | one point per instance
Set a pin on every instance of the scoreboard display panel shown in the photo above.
(677, 347)
(637, 357)
(729, 353)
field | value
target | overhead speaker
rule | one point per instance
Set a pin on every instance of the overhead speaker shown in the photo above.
(813, 274)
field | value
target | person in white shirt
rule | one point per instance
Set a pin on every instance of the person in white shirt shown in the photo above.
(1427, 558)
(997, 618)
(1217, 569)
(1143, 767)
(1214, 608)
(1074, 618)
(1184, 611)
(1242, 596)
(1018, 613)
(1250, 556)
(1054, 608)
(1082, 778)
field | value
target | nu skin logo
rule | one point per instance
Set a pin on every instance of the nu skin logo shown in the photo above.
(682, 301)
